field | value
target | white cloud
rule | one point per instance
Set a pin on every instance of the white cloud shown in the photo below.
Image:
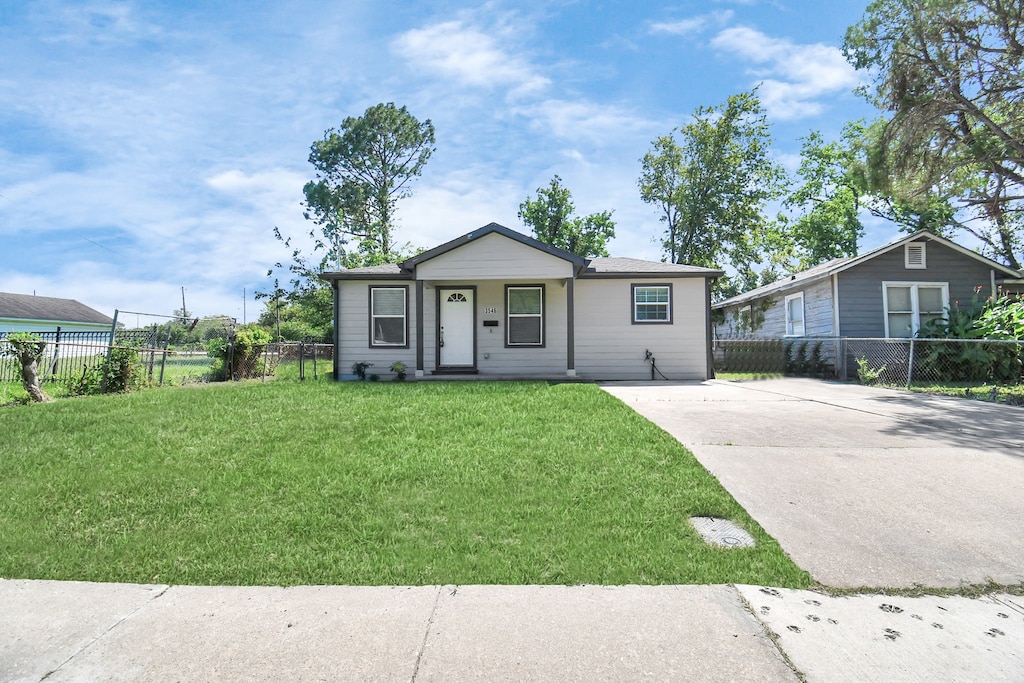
(454, 50)
(685, 27)
(581, 120)
(793, 77)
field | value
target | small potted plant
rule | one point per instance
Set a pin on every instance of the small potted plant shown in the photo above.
(398, 367)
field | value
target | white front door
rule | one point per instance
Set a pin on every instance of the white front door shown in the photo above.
(456, 334)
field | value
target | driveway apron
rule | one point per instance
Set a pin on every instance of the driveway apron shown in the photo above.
(863, 487)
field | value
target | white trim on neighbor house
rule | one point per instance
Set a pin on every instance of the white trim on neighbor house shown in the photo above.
(835, 305)
(914, 311)
(915, 255)
(794, 327)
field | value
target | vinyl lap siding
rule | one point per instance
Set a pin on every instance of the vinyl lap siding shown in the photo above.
(354, 330)
(609, 346)
(493, 257)
(861, 311)
(550, 359)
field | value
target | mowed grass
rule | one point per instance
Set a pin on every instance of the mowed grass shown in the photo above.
(288, 483)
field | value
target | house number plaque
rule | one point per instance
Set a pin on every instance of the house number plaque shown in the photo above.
(490, 310)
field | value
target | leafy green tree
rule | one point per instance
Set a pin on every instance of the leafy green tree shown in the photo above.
(550, 216)
(948, 73)
(711, 180)
(362, 170)
(827, 199)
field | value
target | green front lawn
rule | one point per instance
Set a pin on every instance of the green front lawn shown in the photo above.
(289, 483)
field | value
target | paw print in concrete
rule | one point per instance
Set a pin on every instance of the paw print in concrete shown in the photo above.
(891, 609)
(891, 634)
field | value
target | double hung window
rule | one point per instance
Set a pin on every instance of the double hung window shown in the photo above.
(908, 305)
(388, 307)
(652, 304)
(524, 306)
(795, 315)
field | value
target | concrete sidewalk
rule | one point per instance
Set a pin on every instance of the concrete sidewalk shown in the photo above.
(68, 631)
(861, 486)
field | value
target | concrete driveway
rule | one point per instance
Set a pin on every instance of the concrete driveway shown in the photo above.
(863, 487)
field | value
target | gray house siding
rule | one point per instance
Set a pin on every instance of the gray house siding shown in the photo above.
(610, 346)
(493, 357)
(354, 338)
(817, 314)
(861, 309)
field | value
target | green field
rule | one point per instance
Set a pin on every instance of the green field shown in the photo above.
(285, 483)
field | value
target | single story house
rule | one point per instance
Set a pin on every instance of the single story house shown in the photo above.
(30, 313)
(887, 292)
(495, 302)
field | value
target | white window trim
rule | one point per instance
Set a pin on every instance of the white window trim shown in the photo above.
(790, 332)
(404, 317)
(907, 263)
(915, 312)
(509, 315)
(668, 303)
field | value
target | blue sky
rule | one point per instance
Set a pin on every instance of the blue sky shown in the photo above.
(149, 146)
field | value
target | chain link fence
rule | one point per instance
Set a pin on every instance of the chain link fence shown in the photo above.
(892, 362)
(909, 362)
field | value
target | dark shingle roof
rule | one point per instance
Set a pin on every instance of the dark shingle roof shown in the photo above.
(616, 265)
(28, 307)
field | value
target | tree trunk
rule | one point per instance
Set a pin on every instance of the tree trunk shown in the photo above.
(30, 376)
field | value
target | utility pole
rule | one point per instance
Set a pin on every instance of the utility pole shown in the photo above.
(243, 305)
(184, 311)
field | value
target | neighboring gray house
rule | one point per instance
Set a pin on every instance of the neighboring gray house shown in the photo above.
(29, 313)
(886, 292)
(496, 302)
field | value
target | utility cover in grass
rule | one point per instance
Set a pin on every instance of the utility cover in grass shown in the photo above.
(721, 532)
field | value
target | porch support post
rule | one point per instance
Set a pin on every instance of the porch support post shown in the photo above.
(419, 328)
(570, 328)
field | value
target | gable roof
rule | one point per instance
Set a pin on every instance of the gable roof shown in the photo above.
(578, 261)
(830, 268)
(30, 307)
(608, 267)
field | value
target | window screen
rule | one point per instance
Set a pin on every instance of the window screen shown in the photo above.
(387, 316)
(651, 303)
(525, 316)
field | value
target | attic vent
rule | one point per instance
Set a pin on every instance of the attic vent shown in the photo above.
(915, 255)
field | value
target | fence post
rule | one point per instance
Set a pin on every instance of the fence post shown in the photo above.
(266, 359)
(910, 363)
(302, 362)
(315, 376)
(56, 356)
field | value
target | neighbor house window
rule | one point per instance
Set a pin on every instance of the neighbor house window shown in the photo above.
(652, 304)
(908, 305)
(525, 313)
(388, 306)
(795, 315)
(914, 255)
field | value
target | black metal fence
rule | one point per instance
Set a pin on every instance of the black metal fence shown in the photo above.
(69, 355)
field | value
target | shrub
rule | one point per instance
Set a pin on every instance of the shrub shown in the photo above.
(241, 356)
(118, 373)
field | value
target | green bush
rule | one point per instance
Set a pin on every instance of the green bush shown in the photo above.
(245, 351)
(119, 373)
